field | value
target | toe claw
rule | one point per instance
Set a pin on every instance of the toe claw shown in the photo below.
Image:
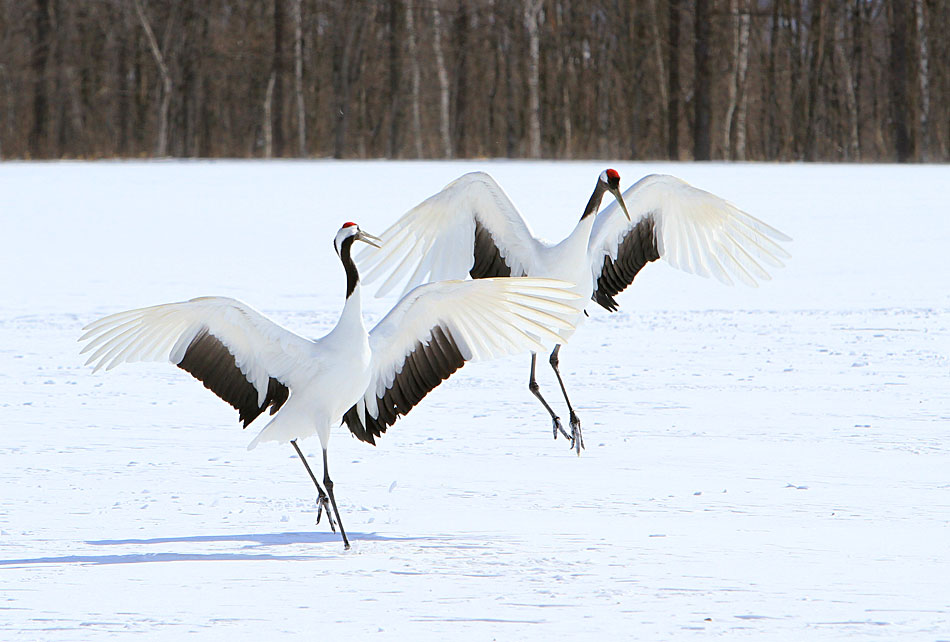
(576, 435)
(324, 503)
(558, 428)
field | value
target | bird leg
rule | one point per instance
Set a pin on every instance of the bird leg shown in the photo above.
(576, 437)
(536, 391)
(329, 484)
(322, 499)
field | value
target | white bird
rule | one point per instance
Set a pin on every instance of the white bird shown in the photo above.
(472, 228)
(371, 377)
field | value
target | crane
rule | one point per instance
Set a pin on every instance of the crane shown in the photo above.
(471, 228)
(308, 386)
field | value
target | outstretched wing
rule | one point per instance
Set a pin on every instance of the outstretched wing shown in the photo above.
(235, 351)
(438, 327)
(471, 228)
(691, 229)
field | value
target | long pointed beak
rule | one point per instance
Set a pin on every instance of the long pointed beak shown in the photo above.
(619, 197)
(373, 240)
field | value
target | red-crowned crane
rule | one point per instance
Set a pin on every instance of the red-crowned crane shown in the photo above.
(372, 377)
(472, 228)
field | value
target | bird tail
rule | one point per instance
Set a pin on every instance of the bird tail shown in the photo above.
(286, 426)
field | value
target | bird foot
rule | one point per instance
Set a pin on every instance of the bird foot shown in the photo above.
(558, 428)
(577, 439)
(323, 503)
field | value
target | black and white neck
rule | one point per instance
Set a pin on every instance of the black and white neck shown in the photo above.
(343, 243)
(607, 179)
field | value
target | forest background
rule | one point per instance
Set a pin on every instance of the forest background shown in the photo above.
(789, 80)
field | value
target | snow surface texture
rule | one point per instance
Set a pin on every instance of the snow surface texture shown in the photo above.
(762, 464)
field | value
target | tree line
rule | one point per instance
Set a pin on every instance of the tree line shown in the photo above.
(848, 80)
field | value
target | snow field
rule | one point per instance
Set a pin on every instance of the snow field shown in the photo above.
(766, 464)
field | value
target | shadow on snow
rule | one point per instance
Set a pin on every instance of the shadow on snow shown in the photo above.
(258, 539)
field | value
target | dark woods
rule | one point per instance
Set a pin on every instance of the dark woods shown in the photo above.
(853, 80)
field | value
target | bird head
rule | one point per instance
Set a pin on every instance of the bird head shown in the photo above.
(610, 179)
(352, 231)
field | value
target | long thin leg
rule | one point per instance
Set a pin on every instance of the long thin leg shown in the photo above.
(329, 484)
(577, 438)
(322, 499)
(536, 390)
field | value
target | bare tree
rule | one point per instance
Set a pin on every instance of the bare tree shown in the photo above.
(40, 58)
(733, 82)
(816, 64)
(673, 69)
(899, 18)
(742, 67)
(702, 87)
(298, 79)
(459, 30)
(268, 117)
(843, 65)
(662, 78)
(162, 145)
(415, 79)
(395, 91)
(923, 73)
(532, 14)
(737, 95)
(347, 54)
(443, 75)
(277, 122)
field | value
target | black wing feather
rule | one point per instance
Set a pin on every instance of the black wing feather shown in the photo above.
(210, 362)
(637, 248)
(488, 260)
(425, 367)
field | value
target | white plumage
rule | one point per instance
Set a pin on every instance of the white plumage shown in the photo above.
(254, 364)
(695, 231)
(472, 228)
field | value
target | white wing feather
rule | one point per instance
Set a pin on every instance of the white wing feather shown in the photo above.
(487, 318)
(261, 348)
(696, 231)
(434, 241)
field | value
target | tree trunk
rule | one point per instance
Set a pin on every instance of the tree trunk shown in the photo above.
(733, 83)
(416, 80)
(124, 103)
(702, 120)
(923, 73)
(460, 120)
(741, 73)
(816, 64)
(268, 117)
(771, 107)
(162, 145)
(532, 14)
(298, 80)
(277, 112)
(661, 75)
(858, 58)
(673, 70)
(603, 102)
(347, 48)
(511, 91)
(395, 63)
(898, 14)
(443, 76)
(38, 135)
(853, 149)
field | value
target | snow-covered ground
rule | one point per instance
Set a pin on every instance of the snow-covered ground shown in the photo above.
(762, 464)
